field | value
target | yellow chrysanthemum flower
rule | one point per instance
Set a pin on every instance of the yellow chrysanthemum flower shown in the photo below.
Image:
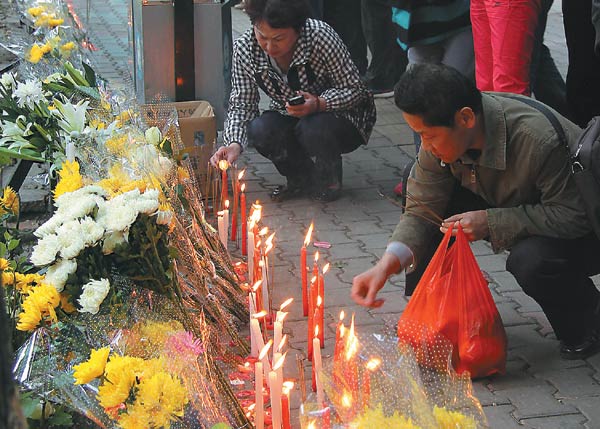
(118, 145)
(36, 11)
(55, 22)
(123, 117)
(375, 418)
(10, 200)
(8, 278)
(135, 418)
(97, 124)
(453, 419)
(40, 303)
(164, 396)
(35, 54)
(120, 376)
(25, 282)
(156, 333)
(67, 48)
(69, 179)
(182, 174)
(93, 367)
(4, 264)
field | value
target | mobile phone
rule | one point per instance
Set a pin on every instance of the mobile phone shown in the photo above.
(296, 100)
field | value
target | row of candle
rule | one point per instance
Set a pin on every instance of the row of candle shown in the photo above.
(238, 208)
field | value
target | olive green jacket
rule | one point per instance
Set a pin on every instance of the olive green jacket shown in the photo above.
(523, 172)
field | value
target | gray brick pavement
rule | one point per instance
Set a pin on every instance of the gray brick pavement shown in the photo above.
(539, 390)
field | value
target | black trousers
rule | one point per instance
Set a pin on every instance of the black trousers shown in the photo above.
(554, 272)
(583, 75)
(291, 143)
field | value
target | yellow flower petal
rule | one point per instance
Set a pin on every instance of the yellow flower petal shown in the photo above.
(93, 367)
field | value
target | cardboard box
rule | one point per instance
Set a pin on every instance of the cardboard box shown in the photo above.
(198, 128)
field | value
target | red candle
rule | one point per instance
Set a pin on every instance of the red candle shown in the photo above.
(285, 405)
(321, 294)
(237, 191)
(370, 367)
(224, 165)
(311, 316)
(243, 219)
(303, 272)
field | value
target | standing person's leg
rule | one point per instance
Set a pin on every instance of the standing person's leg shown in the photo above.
(555, 272)
(583, 76)
(388, 59)
(345, 18)
(272, 135)
(512, 25)
(326, 137)
(482, 44)
(459, 53)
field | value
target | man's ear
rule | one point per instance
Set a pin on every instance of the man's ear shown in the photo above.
(465, 118)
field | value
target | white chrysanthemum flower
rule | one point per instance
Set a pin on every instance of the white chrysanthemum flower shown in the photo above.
(148, 202)
(45, 251)
(50, 226)
(66, 201)
(91, 230)
(92, 296)
(164, 217)
(29, 93)
(8, 80)
(114, 239)
(153, 136)
(116, 217)
(71, 239)
(58, 273)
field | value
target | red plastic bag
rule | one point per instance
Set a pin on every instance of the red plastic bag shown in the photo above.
(453, 299)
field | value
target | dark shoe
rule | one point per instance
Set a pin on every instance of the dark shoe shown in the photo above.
(327, 194)
(287, 192)
(588, 347)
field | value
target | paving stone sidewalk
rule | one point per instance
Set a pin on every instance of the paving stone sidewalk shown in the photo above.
(539, 390)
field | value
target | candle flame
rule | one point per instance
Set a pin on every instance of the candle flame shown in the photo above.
(373, 364)
(269, 240)
(313, 279)
(326, 268)
(247, 364)
(243, 187)
(312, 425)
(286, 303)
(319, 301)
(342, 315)
(265, 350)
(279, 362)
(251, 407)
(346, 400)
(223, 164)
(259, 315)
(226, 204)
(282, 343)
(263, 231)
(351, 342)
(342, 330)
(261, 263)
(316, 256)
(241, 174)
(308, 235)
(287, 386)
(256, 285)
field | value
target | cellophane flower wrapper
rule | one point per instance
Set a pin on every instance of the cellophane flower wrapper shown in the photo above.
(383, 385)
(145, 326)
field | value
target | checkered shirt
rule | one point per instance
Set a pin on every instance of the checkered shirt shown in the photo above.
(321, 65)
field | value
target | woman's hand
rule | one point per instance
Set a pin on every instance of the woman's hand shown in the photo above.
(229, 153)
(474, 224)
(311, 105)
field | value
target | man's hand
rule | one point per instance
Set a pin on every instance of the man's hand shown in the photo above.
(229, 153)
(366, 285)
(309, 106)
(474, 224)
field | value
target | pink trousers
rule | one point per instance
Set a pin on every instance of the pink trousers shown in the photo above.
(503, 38)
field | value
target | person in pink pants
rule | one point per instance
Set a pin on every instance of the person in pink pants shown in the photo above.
(503, 38)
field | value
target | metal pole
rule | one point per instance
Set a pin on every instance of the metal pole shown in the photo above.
(185, 89)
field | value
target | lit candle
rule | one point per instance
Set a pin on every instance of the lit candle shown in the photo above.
(225, 223)
(243, 219)
(311, 318)
(259, 417)
(275, 384)
(250, 239)
(254, 348)
(265, 360)
(317, 322)
(257, 341)
(277, 335)
(223, 166)
(303, 269)
(221, 227)
(339, 339)
(317, 369)
(350, 368)
(321, 294)
(370, 367)
(234, 216)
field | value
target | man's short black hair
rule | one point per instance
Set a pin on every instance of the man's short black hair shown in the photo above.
(278, 13)
(435, 93)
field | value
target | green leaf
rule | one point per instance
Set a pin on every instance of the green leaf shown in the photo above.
(13, 244)
(23, 154)
(61, 418)
(2, 249)
(90, 74)
(7, 236)
(90, 92)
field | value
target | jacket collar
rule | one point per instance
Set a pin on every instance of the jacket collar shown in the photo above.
(493, 154)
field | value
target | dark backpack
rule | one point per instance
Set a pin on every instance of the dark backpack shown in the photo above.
(585, 159)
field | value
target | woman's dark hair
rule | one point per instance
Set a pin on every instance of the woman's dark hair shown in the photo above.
(278, 13)
(435, 93)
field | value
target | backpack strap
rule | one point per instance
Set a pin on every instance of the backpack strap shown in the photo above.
(542, 108)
